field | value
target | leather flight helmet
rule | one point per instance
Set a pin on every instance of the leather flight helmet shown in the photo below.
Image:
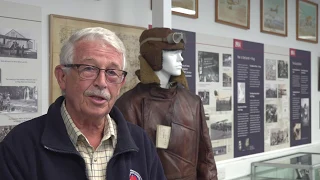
(153, 41)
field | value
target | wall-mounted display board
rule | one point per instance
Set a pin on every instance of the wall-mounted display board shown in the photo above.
(248, 97)
(300, 102)
(20, 65)
(257, 97)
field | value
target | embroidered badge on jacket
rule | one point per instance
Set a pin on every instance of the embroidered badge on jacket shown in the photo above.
(134, 175)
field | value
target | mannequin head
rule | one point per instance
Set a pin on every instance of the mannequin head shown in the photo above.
(171, 66)
(161, 60)
(172, 62)
(154, 41)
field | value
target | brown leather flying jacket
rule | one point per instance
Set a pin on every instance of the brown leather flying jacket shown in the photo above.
(189, 155)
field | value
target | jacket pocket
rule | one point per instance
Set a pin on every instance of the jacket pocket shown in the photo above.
(183, 143)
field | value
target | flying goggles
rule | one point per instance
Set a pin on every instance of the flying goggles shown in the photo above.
(172, 38)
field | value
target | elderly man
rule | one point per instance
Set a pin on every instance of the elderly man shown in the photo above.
(83, 136)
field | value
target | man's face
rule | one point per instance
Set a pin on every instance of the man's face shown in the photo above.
(172, 62)
(79, 104)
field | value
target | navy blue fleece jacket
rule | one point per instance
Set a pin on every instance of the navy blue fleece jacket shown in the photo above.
(40, 149)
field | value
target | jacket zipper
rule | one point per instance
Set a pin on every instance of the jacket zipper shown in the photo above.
(118, 153)
(67, 152)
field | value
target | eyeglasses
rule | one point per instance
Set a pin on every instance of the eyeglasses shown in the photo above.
(172, 38)
(85, 71)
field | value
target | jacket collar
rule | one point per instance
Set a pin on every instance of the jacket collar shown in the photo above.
(147, 76)
(55, 136)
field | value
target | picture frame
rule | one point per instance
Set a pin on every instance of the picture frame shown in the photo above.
(274, 17)
(186, 8)
(61, 27)
(307, 21)
(234, 13)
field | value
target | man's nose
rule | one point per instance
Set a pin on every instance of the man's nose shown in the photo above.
(101, 80)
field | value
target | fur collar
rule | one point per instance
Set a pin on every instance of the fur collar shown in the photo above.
(147, 76)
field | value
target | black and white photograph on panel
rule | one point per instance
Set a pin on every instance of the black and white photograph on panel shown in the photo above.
(282, 90)
(296, 131)
(205, 96)
(283, 69)
(220, 150)
(241, 92)
(226, 60)
(4, 130)
(221, 128)
(18, 99)
(271, 113)
(226, 79)
(278, 136)
(208, 66)
(0, 76)
(271, 70)
(223, 101)
(305, 116)
(17, 43)
(271, 90)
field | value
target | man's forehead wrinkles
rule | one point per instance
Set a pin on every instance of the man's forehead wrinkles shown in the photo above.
(88, 59)
(110, 64)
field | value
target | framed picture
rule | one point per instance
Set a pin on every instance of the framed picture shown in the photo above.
(233, 12)
(307, 21)
(274, 17)
(187, 8)
(61, 28)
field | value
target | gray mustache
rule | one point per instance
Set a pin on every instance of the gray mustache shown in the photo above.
(98, 93)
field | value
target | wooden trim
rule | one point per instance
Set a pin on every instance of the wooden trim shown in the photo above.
(285, 24)
(229, 23)
(297, 21)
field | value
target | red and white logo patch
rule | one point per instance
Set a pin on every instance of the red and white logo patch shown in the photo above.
(134, 175)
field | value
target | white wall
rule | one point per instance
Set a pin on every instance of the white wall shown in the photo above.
(138, 13)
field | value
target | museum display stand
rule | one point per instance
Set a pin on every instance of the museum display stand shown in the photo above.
(294, 166)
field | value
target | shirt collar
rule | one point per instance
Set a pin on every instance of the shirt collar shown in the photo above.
(110, 130)
(74, 133)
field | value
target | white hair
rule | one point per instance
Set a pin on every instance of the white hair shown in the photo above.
(93, 33)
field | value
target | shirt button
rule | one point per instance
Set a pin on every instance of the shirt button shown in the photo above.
(95, 160)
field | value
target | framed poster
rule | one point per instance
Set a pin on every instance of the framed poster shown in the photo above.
(61, 27)
(187, 8)
(274, 17)
(307, 21)
(233, 12)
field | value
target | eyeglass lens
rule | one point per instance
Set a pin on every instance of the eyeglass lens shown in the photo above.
(90, 72)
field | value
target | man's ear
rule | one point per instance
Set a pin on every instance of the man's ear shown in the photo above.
(60, 76)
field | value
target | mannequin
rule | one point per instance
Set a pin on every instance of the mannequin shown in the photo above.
(162, 105)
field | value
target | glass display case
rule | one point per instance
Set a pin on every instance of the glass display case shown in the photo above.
(304, 166)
